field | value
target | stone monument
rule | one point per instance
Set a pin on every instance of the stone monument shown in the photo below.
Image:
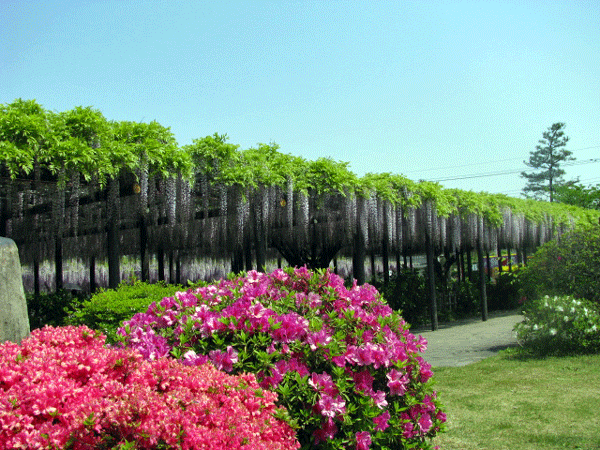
(14, 321)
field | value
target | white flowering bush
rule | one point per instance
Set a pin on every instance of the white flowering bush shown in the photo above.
(560, 324)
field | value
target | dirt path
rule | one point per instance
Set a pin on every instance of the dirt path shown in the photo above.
(467, 341)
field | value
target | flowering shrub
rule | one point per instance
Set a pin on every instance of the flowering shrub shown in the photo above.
(62, 389)
(108, 308)
(560, 324)
(566, 266)
(344, 365)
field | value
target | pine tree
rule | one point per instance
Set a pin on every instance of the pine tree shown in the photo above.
(546, 159)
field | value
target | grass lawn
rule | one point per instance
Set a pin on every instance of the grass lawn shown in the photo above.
(516, 402)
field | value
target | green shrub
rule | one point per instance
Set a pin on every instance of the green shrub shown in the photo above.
(467, 299)
(559, 325)
(51, 308)
(105, 310)
(504, 293)
(566, 266)
(407, 294)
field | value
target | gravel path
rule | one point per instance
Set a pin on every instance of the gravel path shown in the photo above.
(464, 342)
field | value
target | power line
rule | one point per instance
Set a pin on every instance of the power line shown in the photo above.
(486, 162)
(512, 171)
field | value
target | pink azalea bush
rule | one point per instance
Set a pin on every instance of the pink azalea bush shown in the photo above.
(63, 389)
(342, 362)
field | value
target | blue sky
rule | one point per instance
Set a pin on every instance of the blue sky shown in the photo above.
(432, 90)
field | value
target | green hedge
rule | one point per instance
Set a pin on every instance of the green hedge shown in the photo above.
(105, 310)
(566, 266)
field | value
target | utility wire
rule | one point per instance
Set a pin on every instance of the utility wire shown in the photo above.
(512, 171)
(486, 162)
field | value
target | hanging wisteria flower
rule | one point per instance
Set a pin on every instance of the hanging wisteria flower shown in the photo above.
(342, 362)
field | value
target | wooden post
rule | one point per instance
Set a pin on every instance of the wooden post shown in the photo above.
(171, 267)
(178, 269)
(469, 264)
(92, 274)
(386, 262)
(112, 235)
(373, 271)
(114, 263)
(261, 254)
(499, 260)
(358, 257)
(36, 276)
(161, 263)
(58, 262)
(431, 281)
(482, 287)
(144, 256)
(237, 260)
(248, 254)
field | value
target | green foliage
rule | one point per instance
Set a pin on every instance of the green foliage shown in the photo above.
(546, 159)
(467, 299)
(51, 308)
(105, 310)
(24, 133)
(407, 294)
(578, 195)
(566, 266)
(214, 158)
(327, 176)
(38, 143)
(267, 166)
(560, 325)
(81, 141)
(504, 293)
